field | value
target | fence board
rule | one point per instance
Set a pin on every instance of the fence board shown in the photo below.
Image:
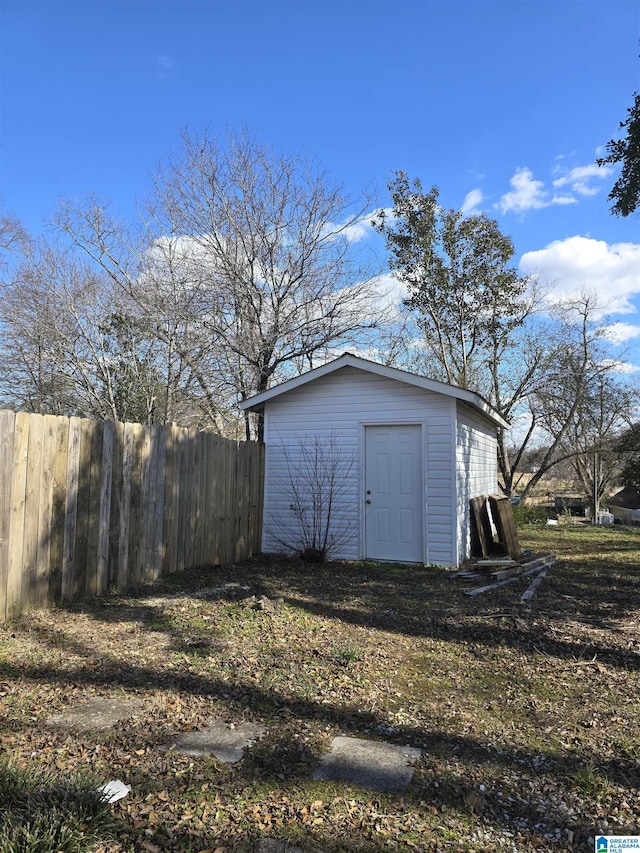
(85, 505)
(32, 510)
(93, 513)
(17, 513)
(216, 490)
(7, 429)
(104, 511)
(158, 531)
(58, 510)
(149, 505)
(142, 505)
(123, 575)
(71, 508)
(200, 552)
(136, 531)
(191, 497)
(171, 498)
(45, 510)
(116, 501)
(212, 447)
(183, 509)
(82, 512)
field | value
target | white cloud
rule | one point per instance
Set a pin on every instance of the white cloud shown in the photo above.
(527, 193)
(361, 229)
(390, 292)
(578, 263)
(620, 333)
(580, 179)
(472, 202)
(623, 368)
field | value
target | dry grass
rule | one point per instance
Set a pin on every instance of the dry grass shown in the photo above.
(527, 716)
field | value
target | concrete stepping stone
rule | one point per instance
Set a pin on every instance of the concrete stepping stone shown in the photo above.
(370, 764)
(220, 739)
(99, 713)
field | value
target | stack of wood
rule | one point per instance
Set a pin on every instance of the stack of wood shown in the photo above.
(495, 545)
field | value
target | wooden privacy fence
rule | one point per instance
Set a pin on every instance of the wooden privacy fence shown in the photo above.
(86, 505)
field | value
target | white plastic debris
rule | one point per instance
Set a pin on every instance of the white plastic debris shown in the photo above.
(114, 791)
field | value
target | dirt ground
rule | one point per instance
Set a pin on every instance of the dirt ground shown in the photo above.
(527, 716)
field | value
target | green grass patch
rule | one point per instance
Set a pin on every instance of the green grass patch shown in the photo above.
(45, 813)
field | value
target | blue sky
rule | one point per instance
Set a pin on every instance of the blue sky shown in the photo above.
(504, 104)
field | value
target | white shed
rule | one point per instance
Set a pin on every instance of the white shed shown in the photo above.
(406, 455)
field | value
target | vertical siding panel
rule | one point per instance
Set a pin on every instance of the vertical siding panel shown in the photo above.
(106, 476)
(7, 431)
(71, 509)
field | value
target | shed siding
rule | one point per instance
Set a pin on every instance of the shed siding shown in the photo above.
(476, 467)
(341, 404)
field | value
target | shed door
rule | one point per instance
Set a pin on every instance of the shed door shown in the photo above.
(394, 493)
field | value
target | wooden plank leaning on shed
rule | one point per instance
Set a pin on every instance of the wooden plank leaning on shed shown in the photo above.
(481, 528)
(493, 530)
(502, 513)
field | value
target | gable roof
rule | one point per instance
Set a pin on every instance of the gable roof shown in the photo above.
(256, 403)
(627, 498)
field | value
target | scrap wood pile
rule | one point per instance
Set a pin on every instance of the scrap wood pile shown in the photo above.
(498, 557)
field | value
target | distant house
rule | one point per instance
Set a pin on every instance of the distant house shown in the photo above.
(625, 505)
(412, 453)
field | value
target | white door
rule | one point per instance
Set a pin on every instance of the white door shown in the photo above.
(394, 491)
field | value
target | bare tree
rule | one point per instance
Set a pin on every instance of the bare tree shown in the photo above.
(582, 404)
(72, 342)
(247, 260)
